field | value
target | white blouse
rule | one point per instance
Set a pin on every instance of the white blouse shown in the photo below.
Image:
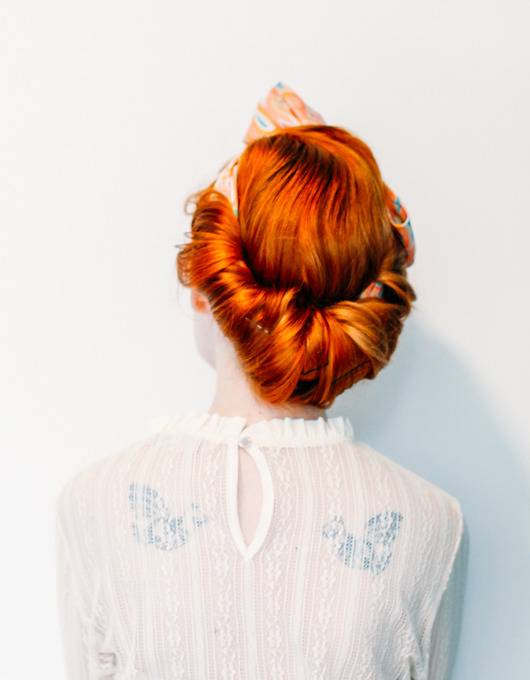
(352, 573)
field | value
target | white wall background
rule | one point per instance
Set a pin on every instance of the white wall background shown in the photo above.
(114, 111)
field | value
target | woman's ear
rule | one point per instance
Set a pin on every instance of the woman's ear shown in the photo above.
(199, 301)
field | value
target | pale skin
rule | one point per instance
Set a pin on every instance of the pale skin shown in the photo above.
(234, 397)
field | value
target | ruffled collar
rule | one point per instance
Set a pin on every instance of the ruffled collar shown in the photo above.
(275, 431)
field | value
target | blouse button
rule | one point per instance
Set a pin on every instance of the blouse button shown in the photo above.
(107, 661)
(107, 664)
(245, 440)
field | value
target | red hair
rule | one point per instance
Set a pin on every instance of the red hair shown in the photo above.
(284, 277)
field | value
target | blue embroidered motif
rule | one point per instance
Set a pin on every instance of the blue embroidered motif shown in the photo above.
(374, 550)
(154, 523)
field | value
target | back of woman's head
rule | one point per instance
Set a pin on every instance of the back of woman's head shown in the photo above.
(286, 278)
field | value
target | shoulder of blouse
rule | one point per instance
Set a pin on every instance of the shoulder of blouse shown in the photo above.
(289, 433)
(448, 507)
(369, 451)
(77, 491)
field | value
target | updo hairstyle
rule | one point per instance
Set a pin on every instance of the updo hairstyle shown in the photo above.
(284, 276)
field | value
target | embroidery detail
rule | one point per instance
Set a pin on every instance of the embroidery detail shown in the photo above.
(154, 524)
(374, 550)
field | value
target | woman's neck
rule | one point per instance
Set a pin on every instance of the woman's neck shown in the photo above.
(235, 397)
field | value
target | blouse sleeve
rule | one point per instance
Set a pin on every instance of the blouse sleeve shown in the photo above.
(73, 624)
(82, 634)
(446, 626)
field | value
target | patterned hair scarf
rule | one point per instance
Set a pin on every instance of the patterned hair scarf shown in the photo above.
(282, 107)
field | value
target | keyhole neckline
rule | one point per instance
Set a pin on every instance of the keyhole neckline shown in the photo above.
(247, 552)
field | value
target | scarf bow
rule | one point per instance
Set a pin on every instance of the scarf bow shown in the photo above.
(282, 107)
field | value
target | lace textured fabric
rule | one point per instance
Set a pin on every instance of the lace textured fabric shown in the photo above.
(352, 572)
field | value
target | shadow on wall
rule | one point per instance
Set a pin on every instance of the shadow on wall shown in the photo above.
(426, 412)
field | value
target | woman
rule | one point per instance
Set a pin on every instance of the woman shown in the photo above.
(259, 539)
